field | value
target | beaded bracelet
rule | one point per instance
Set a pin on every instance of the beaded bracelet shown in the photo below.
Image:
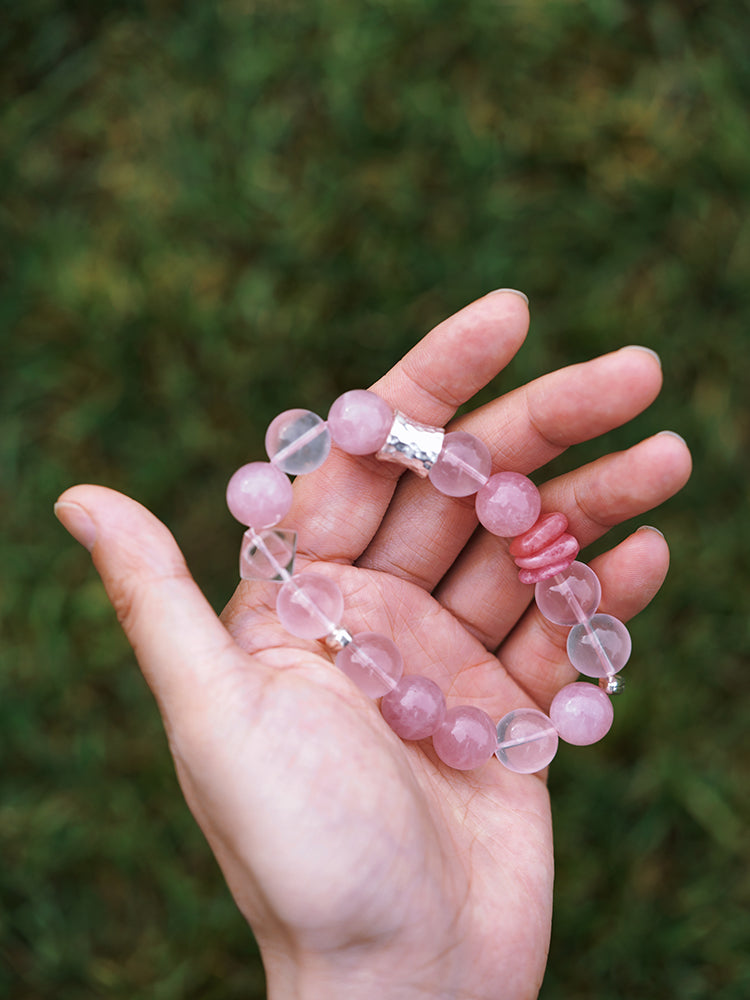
(310, 605)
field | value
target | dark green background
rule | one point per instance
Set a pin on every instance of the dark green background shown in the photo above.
(214, 211)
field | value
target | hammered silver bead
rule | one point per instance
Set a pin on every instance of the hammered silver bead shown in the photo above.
(612, 684)
(415, 446)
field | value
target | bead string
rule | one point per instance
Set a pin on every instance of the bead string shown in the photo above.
(310, 606)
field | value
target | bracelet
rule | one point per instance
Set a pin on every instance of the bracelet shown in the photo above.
(508, 504)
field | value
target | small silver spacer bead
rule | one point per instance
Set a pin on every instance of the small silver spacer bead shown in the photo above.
(413, 445)
(612, 684)
(338, 639)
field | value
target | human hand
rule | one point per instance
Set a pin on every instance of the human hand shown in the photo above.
(365, 867)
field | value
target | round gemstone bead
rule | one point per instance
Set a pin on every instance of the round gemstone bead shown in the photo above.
(414, 708)
(359, 422)
(259, 495)
(581, 713)
(526, 740)
(600, 646)
(466, 738)
(373, 662)
(571, 596)
(546, 530)
(508, 504)
(463, 466)
(309, 605)
(298, 441)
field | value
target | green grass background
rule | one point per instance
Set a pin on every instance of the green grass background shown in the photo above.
(211, 211)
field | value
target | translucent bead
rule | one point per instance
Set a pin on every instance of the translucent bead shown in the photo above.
(600, 646)
(359, 422)
(526, 740)
(463, 466)
(267, 555)
(259, 495)
(564, 547)
(508, 504)
(298, 441)
(546, 530)
(571, 596)
(414, 708)
(309, 605)
(373, 662)
(535, 576)
(581, 713)
(466, 738)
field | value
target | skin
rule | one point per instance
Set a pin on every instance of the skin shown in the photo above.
(364, 866)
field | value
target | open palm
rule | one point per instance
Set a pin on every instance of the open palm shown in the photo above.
(365, 867)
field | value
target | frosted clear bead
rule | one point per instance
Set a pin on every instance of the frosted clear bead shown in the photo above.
(267, 555)
(581, 713)
(526, 740)
(259, 495)
(359, 422)
(309, 605)
(463, 465)
(373, 662)
(571, 596)
(414, 708)
(298, 441)
(466, 738)
(600, 646)
(508, 504)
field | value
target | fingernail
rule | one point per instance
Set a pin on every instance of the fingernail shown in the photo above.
(673, 434)
(650, 527)
(77, 521)
(513, 291)
(646, 350)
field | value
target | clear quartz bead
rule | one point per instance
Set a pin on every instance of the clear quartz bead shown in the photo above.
(526, 740)
(310, 605)
(298, 441)
(571, 596)
(599, 647)
(373, 662)
(268, 555)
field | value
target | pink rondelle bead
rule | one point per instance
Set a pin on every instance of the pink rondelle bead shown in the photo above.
(526, 740)
(359, 422)
(466, 738)
(546, 530)
(508, 504)
(373, 662)
(544, 572)
(581, 713)
(463, 466)
(309, 605)
(563, 548)
(599, 647)
(571, 596)
(259, 495)
(414, 708)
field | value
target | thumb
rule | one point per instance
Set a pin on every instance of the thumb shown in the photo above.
(183, 649)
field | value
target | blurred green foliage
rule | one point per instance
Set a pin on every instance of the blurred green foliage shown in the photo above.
(211, 210)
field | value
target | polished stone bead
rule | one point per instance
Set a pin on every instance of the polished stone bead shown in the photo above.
(526, 740)
(571, 596)
(414, 708)
(599, 647)
(268, 555)
(373, 662)
(359, 422)
(508, 504)
(298, 441)
(466, 738)
(259, 495)
(310, 605)
(463, 466)
(581, 713)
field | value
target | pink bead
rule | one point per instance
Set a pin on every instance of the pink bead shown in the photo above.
(373, 662)
(309, 605)
(544, 572)
(546, 530)
(463, 466)
(571, 596)
(359, 422)
(508, 504)
(259, 495)
(526, 740)
(581, 713)
(414, 708)
(599, 647)
(563, 548)
(466, 738)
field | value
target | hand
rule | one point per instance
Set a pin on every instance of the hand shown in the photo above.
(364, 866)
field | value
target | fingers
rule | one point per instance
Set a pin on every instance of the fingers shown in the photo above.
(631, 574)
(423, 531)
(338, 509)
(180, 644)
(482, 588)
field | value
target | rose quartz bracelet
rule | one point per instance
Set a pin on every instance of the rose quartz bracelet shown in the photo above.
(310, 605)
